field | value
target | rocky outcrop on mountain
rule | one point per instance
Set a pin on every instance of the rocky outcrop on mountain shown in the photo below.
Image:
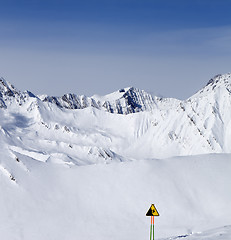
(128, 101)
(7, 89)
(71, 101)
(162, 127)
(9, 94)
(132, 100)
(124, 101)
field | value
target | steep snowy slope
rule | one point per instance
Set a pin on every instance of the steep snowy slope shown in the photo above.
(210, 110)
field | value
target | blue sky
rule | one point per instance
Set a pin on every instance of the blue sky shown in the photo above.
(169, 48)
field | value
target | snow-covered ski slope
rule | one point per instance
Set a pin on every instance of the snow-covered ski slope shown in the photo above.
(50, 201)
(75, 167)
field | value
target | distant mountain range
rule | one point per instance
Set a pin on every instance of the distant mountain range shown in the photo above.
(157, 127)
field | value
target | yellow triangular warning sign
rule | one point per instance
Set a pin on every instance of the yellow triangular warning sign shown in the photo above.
(152, 211)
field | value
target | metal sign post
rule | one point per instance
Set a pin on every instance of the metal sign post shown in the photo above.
(152, 212)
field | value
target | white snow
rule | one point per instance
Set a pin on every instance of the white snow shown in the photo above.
(90, 174)
(192, 194)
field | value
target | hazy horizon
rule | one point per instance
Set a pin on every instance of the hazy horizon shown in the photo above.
(97, 47)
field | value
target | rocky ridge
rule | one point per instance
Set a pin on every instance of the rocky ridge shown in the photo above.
(160, 127)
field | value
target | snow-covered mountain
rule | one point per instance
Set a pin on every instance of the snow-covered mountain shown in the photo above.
(160, 127)
(45, 194)
(124, 101)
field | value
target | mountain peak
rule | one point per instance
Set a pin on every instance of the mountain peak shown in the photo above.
(220, 79)
(7, 89)
(220, 82)
(124, 90)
